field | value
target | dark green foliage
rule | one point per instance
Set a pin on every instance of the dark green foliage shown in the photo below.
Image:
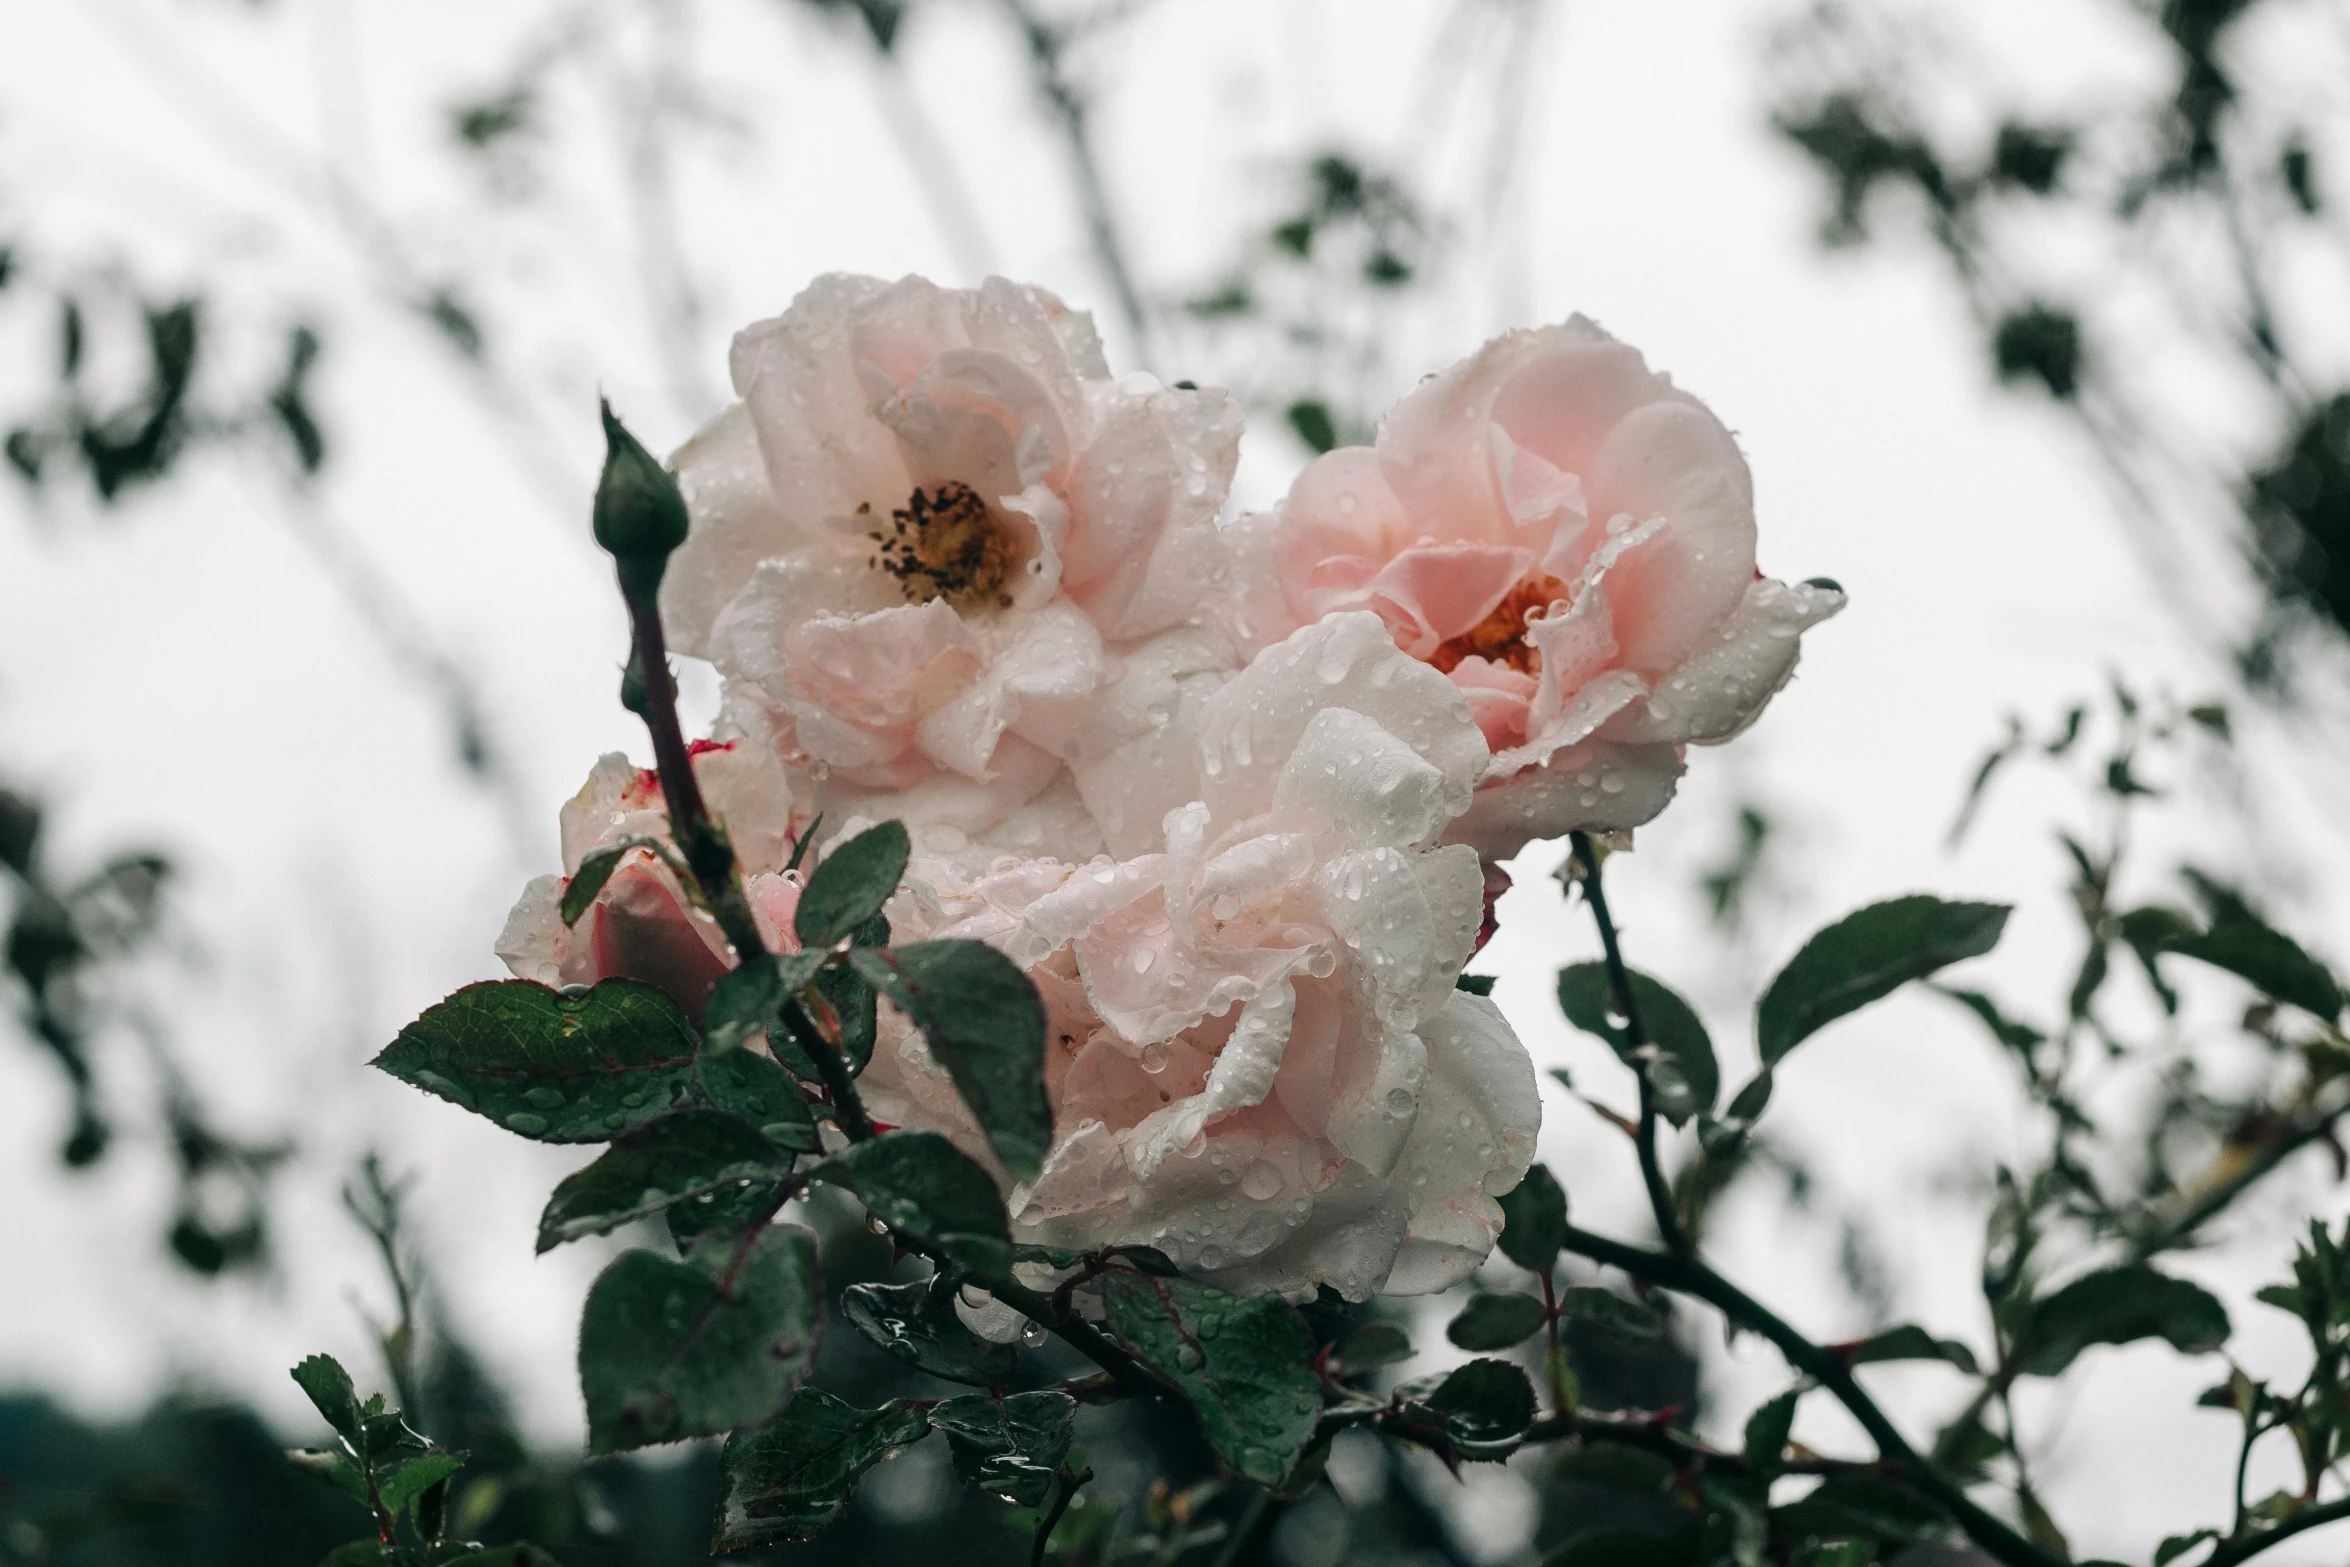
(2302, 501)
(754, 1088)
(1009, 1446)
(1310, 418)
(690, 1154)
(916, 1323)
(2039, 342)
(1496, 1321)
(1909, 1342)
(851, 884)
(378, 1461)
(1767, 1431)
(746, 1001)
(1629, 1548)
(1534, 1220)
(985, 1024)
(1373, 1345)
(558, 1068)
(595, 869)
(669, 1350)
(1607, 1308)
(1858, 149)
(923, 1185)
(2029, 157)
(1867, 955)
(1481, 1409)
(788, 1481)
(639, 513)
(2118, 1306)
(1682, 1068)
(1243, 1362)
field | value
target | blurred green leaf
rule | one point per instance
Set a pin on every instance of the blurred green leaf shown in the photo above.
(1767, 1431)
(1590, 1304)
(1910, 1342)
(2118, 1305)
(1867, 955)
(1483, 1406)
(1373, 1345)
(1496, 1321)
(1534, 1221)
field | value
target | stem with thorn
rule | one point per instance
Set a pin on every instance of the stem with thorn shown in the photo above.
(1619, 978)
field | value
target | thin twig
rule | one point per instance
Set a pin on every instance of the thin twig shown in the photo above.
(1052, 1519)
(1692, 1277)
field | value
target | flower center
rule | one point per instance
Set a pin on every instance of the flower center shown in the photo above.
(1501, 636)
(945, 543)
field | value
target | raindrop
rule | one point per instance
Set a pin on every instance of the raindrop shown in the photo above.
(1261, 1182)
(527, 1124)
(1154, 1058)
(1033, 1335)
(876, 1226)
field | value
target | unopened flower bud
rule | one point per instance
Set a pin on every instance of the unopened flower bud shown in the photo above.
(640, 512)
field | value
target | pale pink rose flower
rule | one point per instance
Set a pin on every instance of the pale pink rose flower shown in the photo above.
(926, 537)
(641, 924)
(1570, 538)
(1257, 1057)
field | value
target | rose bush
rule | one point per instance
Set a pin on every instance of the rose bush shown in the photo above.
(1570, 538)
(1257, 1058)
(925, 537)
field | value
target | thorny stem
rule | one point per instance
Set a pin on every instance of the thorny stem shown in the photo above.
(1052, 1519)
(1692, 1277)
(1652, 1175)
(711, 859)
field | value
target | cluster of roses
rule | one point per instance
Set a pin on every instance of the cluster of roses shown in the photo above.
(1232, 796)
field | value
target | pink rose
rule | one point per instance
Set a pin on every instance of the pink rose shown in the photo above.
(642, 925)
(1257, 1057)
(1571, 539)
(925, 537)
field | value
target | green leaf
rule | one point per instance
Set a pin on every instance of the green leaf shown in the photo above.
(985, 1024)
(331, 1465)
(489, 1556)
(1606, 1307)
(1245, 1363)
(1475, 984)
(735, 1208)
(417, 1476)
(1686, 1078)
(2269, 960)
(365, 1553)
(917, 1324)
(921, 1183)
(1863, 1505)
(850, 885)
(1484, 1407)
(669, 1350)
(595, 869)
(685, 1155)
(852, 1002)
(1496, 1321)
(2177, 1545)
(1534, 1221)
(747, 1084)
(2119, 1305)
(1911, 1342)
(1009, 1447)
(1373, 1345)
(562, 1069)
(790, 1480)
(329, 1387)
(1866, 955)
(744, 1002)
(1767, 1431)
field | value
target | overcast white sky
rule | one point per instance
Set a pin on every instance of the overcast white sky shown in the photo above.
(179, 671)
